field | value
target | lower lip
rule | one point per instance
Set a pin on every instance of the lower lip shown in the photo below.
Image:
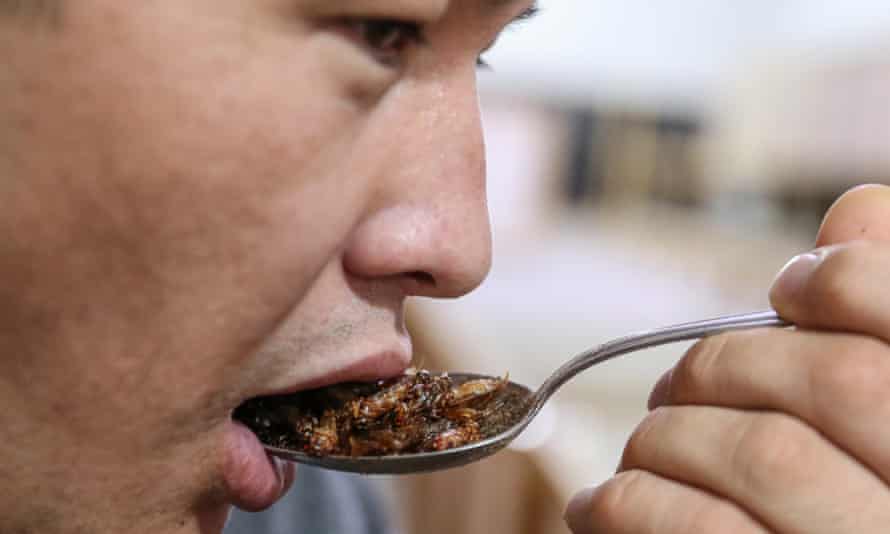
(254, 479)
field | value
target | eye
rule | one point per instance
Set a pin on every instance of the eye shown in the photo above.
(386, 40)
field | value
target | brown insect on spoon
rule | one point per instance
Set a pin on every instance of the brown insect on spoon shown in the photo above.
(530, 403)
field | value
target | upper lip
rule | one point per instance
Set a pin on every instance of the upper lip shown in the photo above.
(379, 366)
(382, 365)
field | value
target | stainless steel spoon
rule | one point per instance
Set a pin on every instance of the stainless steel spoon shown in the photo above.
(434, 461)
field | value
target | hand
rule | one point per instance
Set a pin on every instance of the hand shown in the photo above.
(782, 431)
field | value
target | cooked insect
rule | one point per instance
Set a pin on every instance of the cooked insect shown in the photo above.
(417, 412)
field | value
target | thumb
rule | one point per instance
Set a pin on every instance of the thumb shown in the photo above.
(862, 213)
(842, 285)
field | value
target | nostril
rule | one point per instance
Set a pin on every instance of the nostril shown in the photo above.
(423, 278)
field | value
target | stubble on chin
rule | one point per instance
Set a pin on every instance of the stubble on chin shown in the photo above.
(176, 496)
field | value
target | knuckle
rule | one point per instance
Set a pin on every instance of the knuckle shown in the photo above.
(715, 516)
(696, 370)
(639, 448)
(834, 282)
(856, 377)
(617, 498)
(771, 454)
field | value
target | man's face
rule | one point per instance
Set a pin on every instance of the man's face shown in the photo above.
(210, 200)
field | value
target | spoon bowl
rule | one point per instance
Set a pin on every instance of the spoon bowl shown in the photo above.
(426, 461)
(530, 404)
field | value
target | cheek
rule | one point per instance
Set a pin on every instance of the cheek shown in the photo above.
(200, 190)
(251, 170)
(229, 155)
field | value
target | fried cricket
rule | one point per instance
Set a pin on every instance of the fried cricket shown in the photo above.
(416, 412)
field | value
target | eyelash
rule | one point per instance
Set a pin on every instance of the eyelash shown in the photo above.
(388, 39)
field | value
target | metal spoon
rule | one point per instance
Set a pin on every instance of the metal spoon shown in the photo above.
(434, 461)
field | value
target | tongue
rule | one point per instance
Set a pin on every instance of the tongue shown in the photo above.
(254, 479)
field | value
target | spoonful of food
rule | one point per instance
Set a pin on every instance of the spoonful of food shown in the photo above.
(422, 422)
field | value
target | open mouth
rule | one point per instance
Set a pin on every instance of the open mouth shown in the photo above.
(416, 412)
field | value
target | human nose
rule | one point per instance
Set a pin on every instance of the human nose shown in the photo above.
(428, 227)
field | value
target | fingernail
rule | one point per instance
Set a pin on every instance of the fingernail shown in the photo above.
(793, 277)
(577, 515)
(659, 395)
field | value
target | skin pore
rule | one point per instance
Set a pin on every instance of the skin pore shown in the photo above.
(209, 200)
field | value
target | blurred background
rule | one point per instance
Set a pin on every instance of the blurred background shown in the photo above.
(650, 163)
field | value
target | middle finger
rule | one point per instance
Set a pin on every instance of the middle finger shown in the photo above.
(773, 466)
(837, 383)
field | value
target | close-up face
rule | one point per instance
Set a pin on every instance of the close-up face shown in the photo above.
(211, 200)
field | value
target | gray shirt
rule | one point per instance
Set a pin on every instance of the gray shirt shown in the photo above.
(321, 502)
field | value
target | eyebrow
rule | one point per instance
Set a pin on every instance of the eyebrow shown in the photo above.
(529, 12)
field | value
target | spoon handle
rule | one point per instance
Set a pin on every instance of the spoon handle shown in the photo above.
(654, 338)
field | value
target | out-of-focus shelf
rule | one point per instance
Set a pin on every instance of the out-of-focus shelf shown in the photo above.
(803, 124)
